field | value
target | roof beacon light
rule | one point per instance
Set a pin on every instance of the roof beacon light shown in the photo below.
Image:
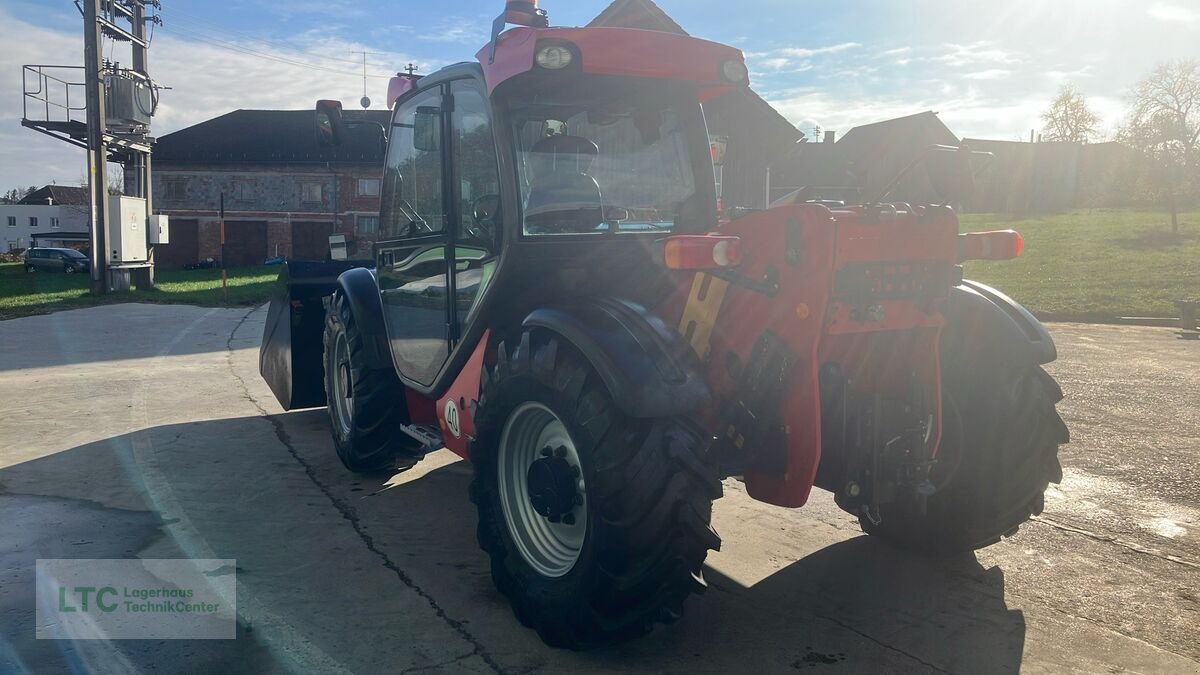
(518, 13)
(554, 57)
(735, 71)
(525, 13)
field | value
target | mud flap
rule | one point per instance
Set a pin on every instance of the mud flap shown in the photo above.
(290, 357)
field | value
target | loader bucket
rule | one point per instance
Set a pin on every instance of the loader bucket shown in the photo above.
(290, 359)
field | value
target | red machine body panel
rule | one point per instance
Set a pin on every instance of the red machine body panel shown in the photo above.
(849, 288)
(456, 410)
(615, 51)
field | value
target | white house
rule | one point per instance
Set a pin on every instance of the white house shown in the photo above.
(55, 215)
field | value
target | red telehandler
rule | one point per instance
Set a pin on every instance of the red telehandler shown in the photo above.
(555, 298)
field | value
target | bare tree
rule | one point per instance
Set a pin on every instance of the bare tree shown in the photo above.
(1164, 127)
(116, 180)
(1069, 119)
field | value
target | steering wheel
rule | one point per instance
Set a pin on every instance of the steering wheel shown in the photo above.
(484, 211)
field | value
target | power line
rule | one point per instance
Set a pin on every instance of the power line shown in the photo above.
(216, 42)
(201, 24)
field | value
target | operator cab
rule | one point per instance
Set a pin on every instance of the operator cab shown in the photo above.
(552, 168)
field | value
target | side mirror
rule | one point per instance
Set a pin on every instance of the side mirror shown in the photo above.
(427, 129)
(330, 128)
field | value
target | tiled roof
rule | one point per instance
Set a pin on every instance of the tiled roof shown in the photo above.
(285, 136)
(56, 195)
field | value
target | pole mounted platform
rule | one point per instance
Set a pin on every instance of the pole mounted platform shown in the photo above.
(68, 103)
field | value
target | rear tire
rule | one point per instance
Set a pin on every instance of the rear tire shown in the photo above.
(366, 406)
(643, 500)
(999, 454)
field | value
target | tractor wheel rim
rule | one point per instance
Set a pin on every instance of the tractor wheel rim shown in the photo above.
(550, 548)
(343, 385)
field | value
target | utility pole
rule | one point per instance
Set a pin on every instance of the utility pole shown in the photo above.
(97, 146)
(143, 185)
(119, 104)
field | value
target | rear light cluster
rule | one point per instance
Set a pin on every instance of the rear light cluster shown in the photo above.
(702, 252)
(997, 245)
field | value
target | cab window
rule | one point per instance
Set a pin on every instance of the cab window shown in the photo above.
(478, 228)
(412, 190)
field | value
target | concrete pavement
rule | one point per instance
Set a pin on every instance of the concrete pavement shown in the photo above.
(138, 430)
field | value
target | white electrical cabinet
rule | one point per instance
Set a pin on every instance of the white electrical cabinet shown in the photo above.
(158, 229)
(125, 229)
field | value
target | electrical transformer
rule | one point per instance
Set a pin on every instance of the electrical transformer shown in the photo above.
(128, 103)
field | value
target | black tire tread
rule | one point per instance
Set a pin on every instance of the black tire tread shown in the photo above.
(1010, 458)
(378, 399)
(649, 488)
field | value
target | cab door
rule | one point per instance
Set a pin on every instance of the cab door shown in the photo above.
(439, 223)
(411, 254)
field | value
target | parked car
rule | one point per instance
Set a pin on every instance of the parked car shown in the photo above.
(56, 260)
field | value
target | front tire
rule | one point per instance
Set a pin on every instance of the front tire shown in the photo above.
(611, 533)
(366, 406)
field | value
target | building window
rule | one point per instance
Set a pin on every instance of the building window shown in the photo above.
(243, 191)
(12, 221)
(368, 224)
(54, 222)
(175, 190)
(310, 193)
(368, 187)
(33, 221)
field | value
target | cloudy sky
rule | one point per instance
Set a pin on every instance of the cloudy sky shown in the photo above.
(987, 68)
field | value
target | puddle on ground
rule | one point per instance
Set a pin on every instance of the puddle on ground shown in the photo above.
(1081, 495)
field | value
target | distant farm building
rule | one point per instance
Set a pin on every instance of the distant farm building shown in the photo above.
(283, 193)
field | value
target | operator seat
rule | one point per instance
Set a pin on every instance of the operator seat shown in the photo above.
(563, 198)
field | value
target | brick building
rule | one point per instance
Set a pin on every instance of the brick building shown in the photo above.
(284, 194)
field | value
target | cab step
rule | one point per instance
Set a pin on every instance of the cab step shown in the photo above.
(428, 435)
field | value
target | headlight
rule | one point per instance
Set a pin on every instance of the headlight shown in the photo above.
(554, 57)
(734, 71)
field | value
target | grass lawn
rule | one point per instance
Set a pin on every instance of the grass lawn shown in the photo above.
(22, 294)
(1086, 264)
(1096, 264)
